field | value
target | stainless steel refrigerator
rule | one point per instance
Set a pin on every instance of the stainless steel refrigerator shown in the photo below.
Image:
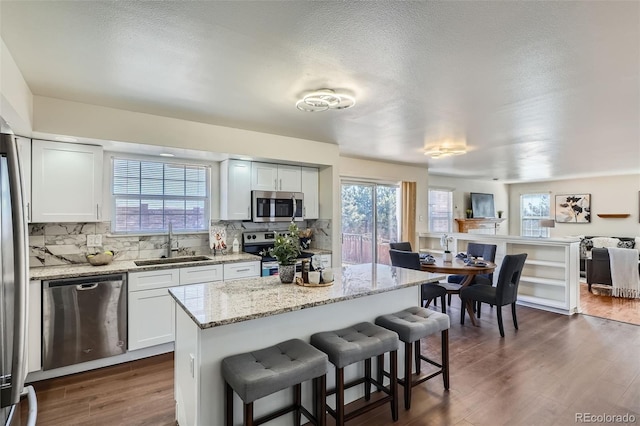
(13, 286)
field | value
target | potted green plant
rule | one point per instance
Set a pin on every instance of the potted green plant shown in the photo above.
(286, 249)
(469, 213)
(500, 213)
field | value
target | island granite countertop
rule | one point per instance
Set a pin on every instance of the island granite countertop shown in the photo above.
(123, 266)
(216, 304)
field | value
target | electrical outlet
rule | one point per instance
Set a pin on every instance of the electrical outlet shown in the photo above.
(98, 239)
(91, 241)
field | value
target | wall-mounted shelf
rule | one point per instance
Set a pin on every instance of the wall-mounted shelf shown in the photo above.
(613, 216)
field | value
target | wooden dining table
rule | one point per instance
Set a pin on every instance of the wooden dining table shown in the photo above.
(459, 267)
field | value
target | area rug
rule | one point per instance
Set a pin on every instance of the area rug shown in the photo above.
(601, 304)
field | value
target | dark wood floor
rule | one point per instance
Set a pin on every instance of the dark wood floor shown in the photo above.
(552, 368)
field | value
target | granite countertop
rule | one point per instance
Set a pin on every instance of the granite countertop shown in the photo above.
(123, 266)
(216, 304)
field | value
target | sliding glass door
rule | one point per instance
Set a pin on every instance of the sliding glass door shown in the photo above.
(370, 220)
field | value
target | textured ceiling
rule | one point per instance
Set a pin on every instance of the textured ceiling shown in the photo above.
(537, 90)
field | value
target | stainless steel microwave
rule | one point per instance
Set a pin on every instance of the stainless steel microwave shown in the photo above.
(276, 206)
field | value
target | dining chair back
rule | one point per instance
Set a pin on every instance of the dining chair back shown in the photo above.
(404, 259)
(509, 278)
(504, 293)
(402, 245)
(429, 291)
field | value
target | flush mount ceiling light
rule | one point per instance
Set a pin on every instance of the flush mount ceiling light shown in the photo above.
(324, 99)
(445, 151)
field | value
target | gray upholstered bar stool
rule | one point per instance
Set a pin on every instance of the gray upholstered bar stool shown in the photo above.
(412, 324)
(360, 342)
(256, 374)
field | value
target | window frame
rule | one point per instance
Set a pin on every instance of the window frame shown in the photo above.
(171, 161)
(450, 191)
(542, 232)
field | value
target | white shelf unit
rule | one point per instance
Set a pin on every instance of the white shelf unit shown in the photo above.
(550, 279)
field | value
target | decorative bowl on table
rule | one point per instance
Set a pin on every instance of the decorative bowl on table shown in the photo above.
(100, 259)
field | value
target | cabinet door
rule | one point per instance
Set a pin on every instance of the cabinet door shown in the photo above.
(151, 318)
(289, 178)
(66, 182)
(235, 190)
(309, 180)
(24, 156)
(264, 177)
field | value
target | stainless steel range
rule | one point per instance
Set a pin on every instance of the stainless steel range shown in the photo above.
(258, 242)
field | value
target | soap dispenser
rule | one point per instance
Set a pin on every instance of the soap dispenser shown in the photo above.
(236, 245)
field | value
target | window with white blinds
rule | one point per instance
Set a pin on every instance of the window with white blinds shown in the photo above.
(533, 209)
(440, 210)
(148, 195)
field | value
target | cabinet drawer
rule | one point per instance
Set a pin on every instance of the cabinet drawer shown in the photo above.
(234, 271)
(149, 280)
(200, 274)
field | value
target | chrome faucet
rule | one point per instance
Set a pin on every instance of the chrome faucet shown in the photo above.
(170, 248)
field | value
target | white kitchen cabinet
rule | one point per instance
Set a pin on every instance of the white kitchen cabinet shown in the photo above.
(24, 156)
(151, 318)
(309, 182)
(66, 182)
(151, 307)
(236, 271)
(235, 190)
(275, 177)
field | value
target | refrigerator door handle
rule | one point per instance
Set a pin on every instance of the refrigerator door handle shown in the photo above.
(19, 225)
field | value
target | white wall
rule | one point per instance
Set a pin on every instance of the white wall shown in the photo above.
(390, 172)
(16, 103)
(461, 189)
(612, 194)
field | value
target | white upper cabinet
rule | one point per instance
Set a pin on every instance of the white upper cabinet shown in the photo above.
(66, 182)
(235, 190)
(24, 156)
(310, 190)
(275, 177)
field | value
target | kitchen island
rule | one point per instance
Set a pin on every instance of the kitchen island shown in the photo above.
(216, 320)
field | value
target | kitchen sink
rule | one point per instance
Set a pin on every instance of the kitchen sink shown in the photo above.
(170, 260)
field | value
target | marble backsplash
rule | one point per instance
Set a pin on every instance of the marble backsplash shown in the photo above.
(53, 244)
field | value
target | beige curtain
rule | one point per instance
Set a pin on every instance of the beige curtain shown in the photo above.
(409, 214)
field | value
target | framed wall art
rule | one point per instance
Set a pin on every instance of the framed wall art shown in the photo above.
(573, 208)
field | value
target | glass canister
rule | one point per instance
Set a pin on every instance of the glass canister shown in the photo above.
(305, 270)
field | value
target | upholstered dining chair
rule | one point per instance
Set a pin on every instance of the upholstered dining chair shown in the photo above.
(429, 291)
(504, 293)
(486, 252)
(402, 245)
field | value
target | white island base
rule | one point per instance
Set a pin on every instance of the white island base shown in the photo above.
(199, 387)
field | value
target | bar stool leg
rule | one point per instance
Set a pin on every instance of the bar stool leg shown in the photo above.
(228, 398)
(416, 352)
(248, 414)
(393, 386)
(380, 366)
(367, 379)
(339, 396)
(408, 349)
(320, 400)
(297, 392)
(445, 358)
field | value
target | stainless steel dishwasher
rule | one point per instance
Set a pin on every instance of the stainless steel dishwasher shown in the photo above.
(83, 319)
